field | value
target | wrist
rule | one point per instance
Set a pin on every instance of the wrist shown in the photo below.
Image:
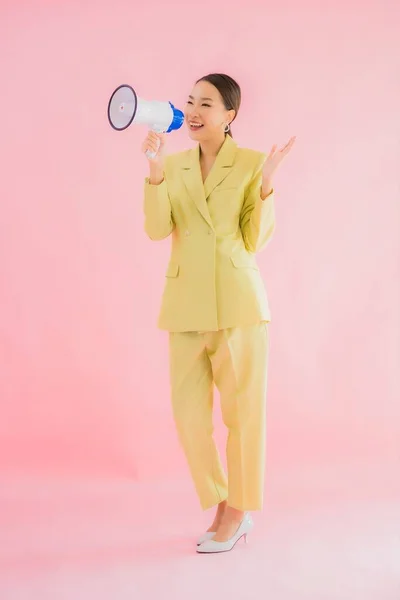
(266, 187)
(156, 174)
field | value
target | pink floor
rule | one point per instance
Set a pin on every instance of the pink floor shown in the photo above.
(332, 535)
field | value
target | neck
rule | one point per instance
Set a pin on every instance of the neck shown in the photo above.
(210, 148)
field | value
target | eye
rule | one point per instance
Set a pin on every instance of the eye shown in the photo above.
(209, 105)
(189, 102)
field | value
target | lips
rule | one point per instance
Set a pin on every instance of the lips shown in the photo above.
(195, 126)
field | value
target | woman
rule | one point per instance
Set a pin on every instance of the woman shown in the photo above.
(217, 202)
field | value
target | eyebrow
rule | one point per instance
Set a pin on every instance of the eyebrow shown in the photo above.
(211, 100)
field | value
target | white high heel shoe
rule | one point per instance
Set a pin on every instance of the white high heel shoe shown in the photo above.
(208, 535)
(211, 546)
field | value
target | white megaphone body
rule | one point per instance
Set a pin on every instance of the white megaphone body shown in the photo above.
(125, 107)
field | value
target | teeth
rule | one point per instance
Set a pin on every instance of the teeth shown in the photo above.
(195, 124)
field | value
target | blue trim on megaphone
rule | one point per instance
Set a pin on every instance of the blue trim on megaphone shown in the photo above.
(177, 120)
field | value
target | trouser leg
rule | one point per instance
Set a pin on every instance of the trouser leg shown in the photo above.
(239, 363)
(192, 403)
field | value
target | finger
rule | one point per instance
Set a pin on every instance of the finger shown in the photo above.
(273, 150)
(158, 140)
(288, 146)
(154, 140)
(150, 146)
(291, 142)
(152, 136)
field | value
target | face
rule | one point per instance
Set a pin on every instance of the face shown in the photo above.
(205, 113)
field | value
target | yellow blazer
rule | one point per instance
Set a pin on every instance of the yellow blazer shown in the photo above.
(212, 281)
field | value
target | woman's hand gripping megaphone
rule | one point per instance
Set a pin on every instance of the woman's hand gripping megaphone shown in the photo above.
(154, 147)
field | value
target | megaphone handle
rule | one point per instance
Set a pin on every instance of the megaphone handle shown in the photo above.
(149, 153)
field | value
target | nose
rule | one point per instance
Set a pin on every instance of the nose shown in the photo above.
(192, 112)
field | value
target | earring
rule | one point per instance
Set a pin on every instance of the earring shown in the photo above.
(227, 128)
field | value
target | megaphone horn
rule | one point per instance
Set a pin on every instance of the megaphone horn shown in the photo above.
(122, 107)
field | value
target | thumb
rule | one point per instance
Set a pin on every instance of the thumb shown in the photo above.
(273, 150)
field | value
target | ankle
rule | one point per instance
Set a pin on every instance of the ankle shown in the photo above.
(222, 506)
(234, 514)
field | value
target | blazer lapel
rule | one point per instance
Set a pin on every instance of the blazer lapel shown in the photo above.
(198, 191)
(222, 166)
(194, 183)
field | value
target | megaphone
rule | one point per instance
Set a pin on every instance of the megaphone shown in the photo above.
(125, 107)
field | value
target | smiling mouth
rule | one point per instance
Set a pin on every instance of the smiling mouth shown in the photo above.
(193, 126)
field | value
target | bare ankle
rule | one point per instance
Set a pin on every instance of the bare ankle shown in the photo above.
(234, 513)
(222, 507)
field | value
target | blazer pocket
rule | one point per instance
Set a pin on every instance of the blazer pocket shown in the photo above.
(243, 261)
(172, 270)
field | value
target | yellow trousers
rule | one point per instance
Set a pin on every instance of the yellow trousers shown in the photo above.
(236, 361)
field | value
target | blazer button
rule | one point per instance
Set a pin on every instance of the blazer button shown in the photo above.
(209, 232)
(187, 233)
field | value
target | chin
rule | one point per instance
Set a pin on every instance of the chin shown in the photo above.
(195, 135)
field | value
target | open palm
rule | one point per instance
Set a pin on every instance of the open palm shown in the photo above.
(275, 157)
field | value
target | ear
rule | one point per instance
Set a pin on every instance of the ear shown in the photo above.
(230, 116)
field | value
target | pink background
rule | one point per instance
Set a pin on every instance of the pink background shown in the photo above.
(84, 371)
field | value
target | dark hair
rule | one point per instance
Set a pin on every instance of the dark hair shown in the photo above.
(229, 90)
